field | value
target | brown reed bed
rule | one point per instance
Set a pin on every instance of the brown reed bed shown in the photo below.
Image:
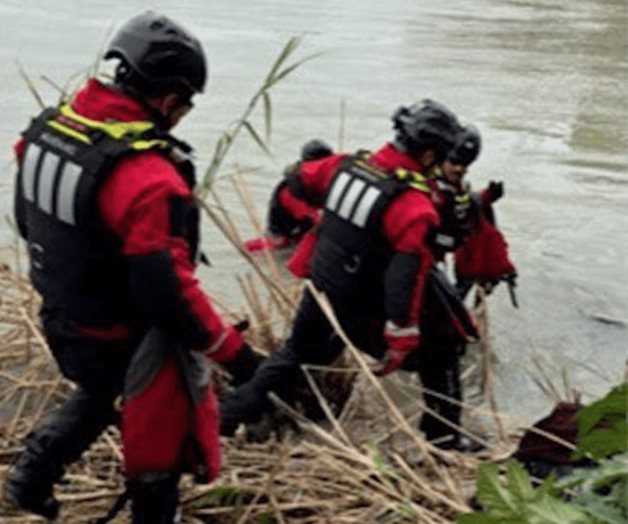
(362, 461)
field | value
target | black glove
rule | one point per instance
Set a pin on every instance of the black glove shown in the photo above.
(495, 190)
(243, 366)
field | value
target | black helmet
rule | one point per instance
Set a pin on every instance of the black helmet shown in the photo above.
(427, 125)
(315, 149)
(468, 146)
(156, 55)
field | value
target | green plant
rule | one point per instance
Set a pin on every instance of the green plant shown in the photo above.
(603, 425)
(277, 72)
(511, 499)
(591, 495)
(601, 492)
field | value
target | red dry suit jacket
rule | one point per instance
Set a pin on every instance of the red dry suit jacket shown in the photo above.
(297, 208)
(135, 204)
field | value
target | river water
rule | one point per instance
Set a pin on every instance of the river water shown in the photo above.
(546, 81)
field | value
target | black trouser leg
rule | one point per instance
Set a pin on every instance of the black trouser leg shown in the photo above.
(311, 342)
(439, 370)
(56, 444)
(154, 498)
(243, 367)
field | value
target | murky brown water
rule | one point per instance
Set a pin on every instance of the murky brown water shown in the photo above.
(546, 81)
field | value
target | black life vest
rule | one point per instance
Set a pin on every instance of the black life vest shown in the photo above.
(75, 263)
(351, 253)
(455, 212)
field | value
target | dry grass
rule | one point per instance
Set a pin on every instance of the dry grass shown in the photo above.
(364, 463)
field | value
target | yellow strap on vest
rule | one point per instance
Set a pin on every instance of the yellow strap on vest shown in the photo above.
(415, 179)
(69, 131)
(461, 199)
(116, 130)
(465, 198)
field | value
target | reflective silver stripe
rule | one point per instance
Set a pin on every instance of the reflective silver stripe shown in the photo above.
(444, 240)
(366, 204)
(336, 191)
(216, 345)
(47, 175)
(351, 197)
(29, 165)
(67, 192)
(394, 330)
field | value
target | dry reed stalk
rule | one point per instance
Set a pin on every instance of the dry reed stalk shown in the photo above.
(336, 476)
(325, 406)
(249, 205)
(544, 383)
(455, 500)
(279, 296)
(487, 359)
(260, 313)
(30, 85)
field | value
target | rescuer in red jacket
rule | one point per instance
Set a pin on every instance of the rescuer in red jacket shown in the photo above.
(481, 255)
(372, 256)
(290, 217)
(104, 199)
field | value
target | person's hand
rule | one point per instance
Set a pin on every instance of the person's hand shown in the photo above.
(495, 190)
(489, 285)
(510, 279)
(401, 340)
(392, 361)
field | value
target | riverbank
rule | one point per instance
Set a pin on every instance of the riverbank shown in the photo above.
(363, 463)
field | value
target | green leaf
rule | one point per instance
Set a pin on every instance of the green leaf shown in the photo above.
(287, 50)
(492, 494)
(480, 518)
(219, 495)
(519, 481)
(607, 472)
(289, 69)
(585, 484)
(256, 137)
(407, 511)
(227, 139)
(268, 115)
(603, 442)
(550, 510)
(548, 486)
(604, 509)
(612, 406)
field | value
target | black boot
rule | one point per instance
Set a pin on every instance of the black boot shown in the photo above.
(56, 444)
(30, 484)
(154, 498)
